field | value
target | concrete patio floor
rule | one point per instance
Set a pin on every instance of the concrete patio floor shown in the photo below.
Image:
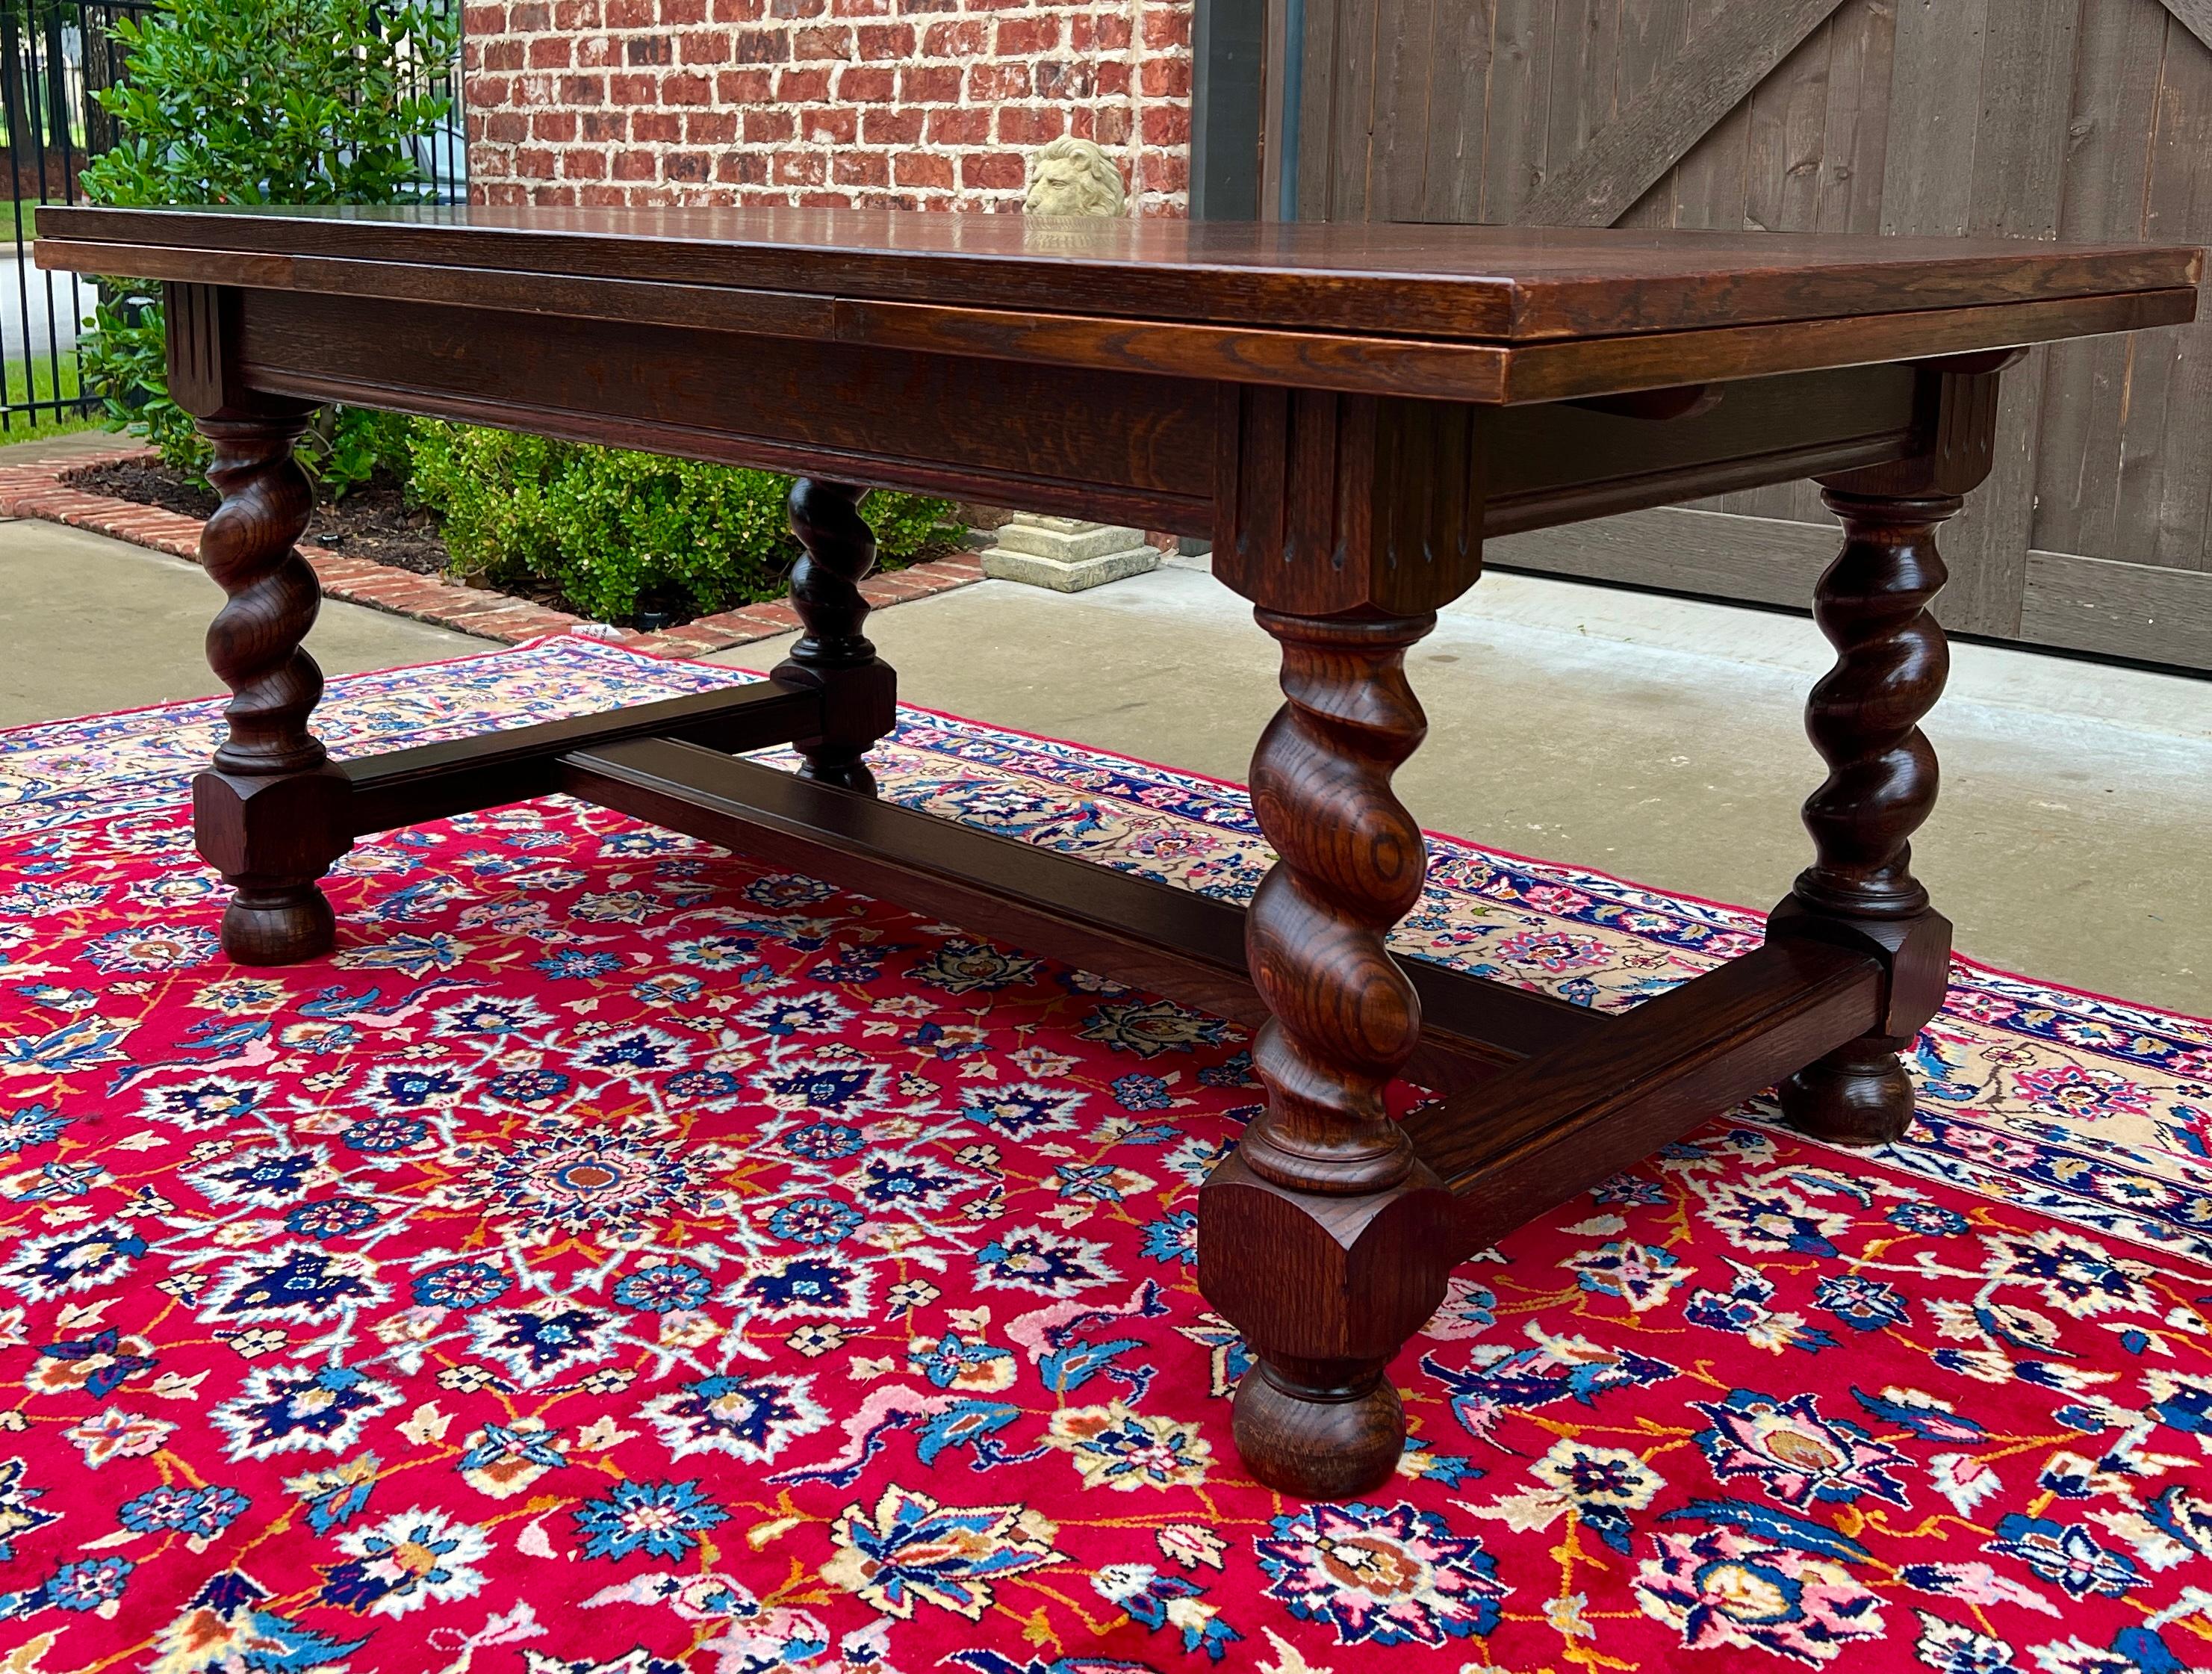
(93, 625)
(1656, 738)
(1652, 738)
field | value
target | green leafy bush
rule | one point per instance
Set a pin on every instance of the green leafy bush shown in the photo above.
(322, 102)
(279, 101)
(619, 532)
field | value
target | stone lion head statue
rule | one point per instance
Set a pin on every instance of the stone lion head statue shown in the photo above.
(1074, 177)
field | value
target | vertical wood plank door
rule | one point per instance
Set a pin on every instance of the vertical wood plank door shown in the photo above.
(2020, 118)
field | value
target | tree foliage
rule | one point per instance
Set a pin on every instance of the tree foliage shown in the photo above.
(326, 101)
(280, 101)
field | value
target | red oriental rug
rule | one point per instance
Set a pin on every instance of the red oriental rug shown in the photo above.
(619, 1260)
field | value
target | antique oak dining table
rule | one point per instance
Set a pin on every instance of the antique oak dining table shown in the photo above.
(1347, 413)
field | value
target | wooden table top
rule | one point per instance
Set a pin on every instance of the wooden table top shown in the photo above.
(1498, 283)
(1175, 297)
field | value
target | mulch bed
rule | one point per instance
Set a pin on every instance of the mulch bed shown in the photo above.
(355, 549)
(374, 521)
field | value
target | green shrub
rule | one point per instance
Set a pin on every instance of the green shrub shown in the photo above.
(320, 101)
(280, 101)
(616, 532)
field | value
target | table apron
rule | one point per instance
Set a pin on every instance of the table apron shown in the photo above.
(1119, 447)
(1158, 452)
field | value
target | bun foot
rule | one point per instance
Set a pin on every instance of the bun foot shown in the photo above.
(1859, 1094)
(852, 775)
(280, 924)
(1320, 1441)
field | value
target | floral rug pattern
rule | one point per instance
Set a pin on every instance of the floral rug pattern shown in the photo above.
(619, 1259)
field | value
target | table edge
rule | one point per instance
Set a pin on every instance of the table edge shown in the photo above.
(1486, 372)
(1473, 308)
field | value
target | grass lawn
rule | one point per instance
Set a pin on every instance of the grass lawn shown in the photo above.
(34, 381)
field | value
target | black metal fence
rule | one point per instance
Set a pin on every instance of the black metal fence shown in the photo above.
(54, 56)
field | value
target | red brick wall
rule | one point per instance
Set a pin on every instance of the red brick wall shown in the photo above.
(930, 104)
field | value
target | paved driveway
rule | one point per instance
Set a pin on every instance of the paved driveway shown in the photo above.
(40, 312)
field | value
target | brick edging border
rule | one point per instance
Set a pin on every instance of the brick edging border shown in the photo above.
(33, 488)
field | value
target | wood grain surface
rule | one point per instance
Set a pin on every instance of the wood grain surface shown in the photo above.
(1486, 282)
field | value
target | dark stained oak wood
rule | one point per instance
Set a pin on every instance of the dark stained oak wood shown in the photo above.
(1190, 947)
(859, 695)
(1342, 1015)
(1348, 412)
(264, 810)
(247, 548)
(1568, 461)
(1496, 282)
(1597, 366)
(1475, 313)
(1468, 370)
(1295, 358)
(1347, 520)
(1529, 1140)
(1136, 449)
(1325, 1290)
(486, 769)
(1328, 503)
(1864, 717)
(1160, 452)
(267, 812)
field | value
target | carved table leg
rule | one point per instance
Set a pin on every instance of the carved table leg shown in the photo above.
(859, 691)
(1864, 718)
(270, 813)
(1323, 1239)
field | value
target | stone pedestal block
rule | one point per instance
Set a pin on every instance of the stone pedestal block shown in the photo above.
(1065, 554)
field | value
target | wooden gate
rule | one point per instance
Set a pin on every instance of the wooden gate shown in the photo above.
(2034, 119)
